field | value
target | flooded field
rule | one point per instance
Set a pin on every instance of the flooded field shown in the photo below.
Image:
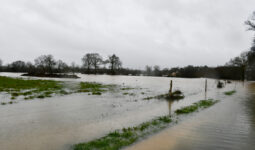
(58, 122)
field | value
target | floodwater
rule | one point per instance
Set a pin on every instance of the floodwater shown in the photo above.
(229, 125)
(59, 122)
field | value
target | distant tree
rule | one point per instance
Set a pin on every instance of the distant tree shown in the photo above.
(96, 60)
(157, 71)
(105, 62)
(87, 62)
(240, 61)
(18, 66)
(1, 64)
(73, 67)
(148, 70)
(45, 63)
(61, 66)
(251, 22)
(251, 26)
(30, 67)
(115, 63)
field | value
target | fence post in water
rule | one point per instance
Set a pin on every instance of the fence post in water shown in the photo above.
(171, 86)
(205, 85)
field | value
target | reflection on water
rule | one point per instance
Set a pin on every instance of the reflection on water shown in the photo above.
(229, 124)
(58, 122)
(170, 107)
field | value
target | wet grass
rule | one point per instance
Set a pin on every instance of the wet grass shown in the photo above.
(230, 92)
(121, 138)
(127, 88)
(29, 89)
(130, 94)
(176, 95)
(196, 106)
(94, 88)
(127, 136)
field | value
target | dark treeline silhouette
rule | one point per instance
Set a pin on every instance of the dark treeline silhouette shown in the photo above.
(92, 63)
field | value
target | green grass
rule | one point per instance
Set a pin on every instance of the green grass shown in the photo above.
(195, 106)
(230, 92)
(127, 136)
(3, 103)
(29, 89)
(94, 88)
(121, 138)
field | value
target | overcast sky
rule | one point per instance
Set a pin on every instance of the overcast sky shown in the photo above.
(155, 32)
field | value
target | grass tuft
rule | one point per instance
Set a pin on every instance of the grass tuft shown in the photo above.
(230, 92)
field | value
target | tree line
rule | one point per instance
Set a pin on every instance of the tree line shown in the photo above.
(47, 64)
(239, 68)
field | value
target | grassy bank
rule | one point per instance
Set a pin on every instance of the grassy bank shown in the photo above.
(127, 136)
(230, 92)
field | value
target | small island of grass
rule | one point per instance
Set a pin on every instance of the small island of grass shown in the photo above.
(230, 92)
(31, 89)
(195, 106)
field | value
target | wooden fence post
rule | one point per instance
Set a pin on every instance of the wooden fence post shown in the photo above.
(171, 87)
(205, 85)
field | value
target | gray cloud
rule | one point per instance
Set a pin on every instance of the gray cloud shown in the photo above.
(162, 32)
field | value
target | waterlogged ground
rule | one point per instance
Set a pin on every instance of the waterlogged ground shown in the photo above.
(58, 122)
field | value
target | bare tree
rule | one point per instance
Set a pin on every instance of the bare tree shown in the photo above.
(46, 63)
(30, 67)
(61, 66)
(115, 63)
(251, 22)
(96, 60)
(240, 61)
(73, 67)
(18, 66)
(1, 63)
(87, 62)
(157, 71)
(148, 70)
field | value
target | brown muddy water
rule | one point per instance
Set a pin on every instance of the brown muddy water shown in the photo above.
(59, 122)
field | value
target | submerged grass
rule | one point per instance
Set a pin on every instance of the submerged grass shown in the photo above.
(94, 88)
(30, 89)
(230, 92)
(120, 138)
(176, 95)
(127, 136)
(196, 106)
